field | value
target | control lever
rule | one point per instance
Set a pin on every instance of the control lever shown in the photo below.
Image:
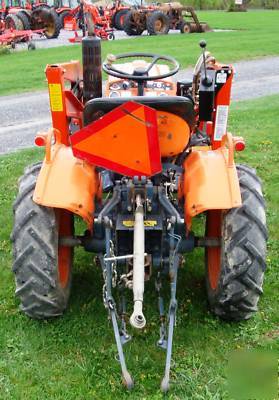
(207, 81)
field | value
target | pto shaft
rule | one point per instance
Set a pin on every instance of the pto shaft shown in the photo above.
(137, 319)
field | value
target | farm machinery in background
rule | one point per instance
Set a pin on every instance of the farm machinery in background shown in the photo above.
(88, 18)
(159, 19)
(137, 164)
(115, 11)
(9, 37)
(21, 16)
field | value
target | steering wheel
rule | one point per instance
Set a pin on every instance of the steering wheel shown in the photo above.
(139, 74)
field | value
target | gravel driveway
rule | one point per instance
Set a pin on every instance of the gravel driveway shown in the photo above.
(22, 116)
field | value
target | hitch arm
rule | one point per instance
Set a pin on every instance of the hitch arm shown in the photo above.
(174, 263)
(110, 305)
(172, 312)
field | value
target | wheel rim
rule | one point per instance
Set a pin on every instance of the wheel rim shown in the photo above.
(213, 254)
(158, 25)
(50, 28)
(65, 228)
(186, 29)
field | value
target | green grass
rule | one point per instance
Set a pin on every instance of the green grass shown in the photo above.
(255, 35)
(72, 358)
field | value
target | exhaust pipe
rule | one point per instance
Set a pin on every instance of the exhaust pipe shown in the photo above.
(137, 319)
(92, 67)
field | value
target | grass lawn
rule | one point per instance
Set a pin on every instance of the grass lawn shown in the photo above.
(73, 357)
(255, 35)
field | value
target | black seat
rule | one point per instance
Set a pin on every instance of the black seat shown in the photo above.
(180, 106)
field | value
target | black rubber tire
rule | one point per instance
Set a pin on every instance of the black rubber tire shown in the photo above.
(62, 16)
(118, 21)
(35, 252)
(24, 19)
(152, 20)
(129, 26)
(13, 22)
(243, 253)
(185, 27)
(54, 20)
(46, 18)
(31, 46)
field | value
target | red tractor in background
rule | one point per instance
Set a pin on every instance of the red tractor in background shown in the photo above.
(87, 17)
(63, 8)
(115, 12)
(20, 15)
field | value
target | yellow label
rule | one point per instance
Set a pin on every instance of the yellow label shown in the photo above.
(55, 95)
(147, 223)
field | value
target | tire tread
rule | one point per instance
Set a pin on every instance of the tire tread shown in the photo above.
(245, 235)
(35, 239)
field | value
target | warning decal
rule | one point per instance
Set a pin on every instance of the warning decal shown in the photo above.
(221, 122)
(55, 95)
(147, 223)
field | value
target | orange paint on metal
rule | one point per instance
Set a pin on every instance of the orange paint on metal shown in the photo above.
(54, 74)
(74, 108)
(68, 183)
(72, 71)
(63, 104)
(173, 133)
(70, 23)
(65, 228)
(213, 254)
(210, 182)
(125, 140)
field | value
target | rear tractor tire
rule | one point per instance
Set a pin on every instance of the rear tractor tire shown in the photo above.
(235, 270)
(25, 19)
(130, 27)
(119, 19)
(47, 19)
(42, 268)
(158, 23)
(12, 21)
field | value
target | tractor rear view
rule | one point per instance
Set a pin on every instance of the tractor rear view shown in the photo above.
(138, 163)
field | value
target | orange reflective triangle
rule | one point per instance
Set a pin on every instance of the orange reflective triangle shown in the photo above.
(124, 140)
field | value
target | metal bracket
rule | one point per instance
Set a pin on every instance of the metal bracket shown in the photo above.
(110, 304)
(174, 263)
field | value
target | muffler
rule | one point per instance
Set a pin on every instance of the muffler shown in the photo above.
(137, 319)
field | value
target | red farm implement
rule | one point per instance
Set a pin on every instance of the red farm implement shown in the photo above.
(10, 37)
(88, 18)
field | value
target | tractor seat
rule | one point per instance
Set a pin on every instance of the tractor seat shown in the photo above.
(181, 106)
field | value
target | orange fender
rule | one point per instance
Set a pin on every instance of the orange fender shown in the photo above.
(67, 182)
(210, 181)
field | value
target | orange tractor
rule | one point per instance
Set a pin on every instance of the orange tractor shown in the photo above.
(137, 162)
(88, 17)
(115, 11)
